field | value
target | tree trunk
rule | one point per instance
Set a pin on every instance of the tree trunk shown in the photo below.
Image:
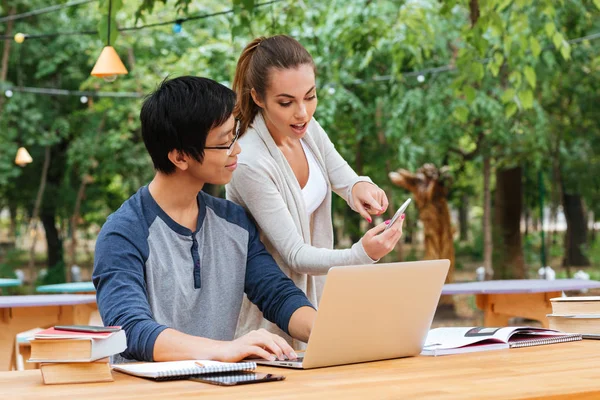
(12, 230)
(429, 187)
(488, 246)
(576, 236)
(6, 49)
(36, 211)
(53, 240)
(463, 218)
(508, 261)
(73, 225)
(593, 227)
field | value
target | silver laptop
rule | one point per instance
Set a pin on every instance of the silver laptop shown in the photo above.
(372, 312)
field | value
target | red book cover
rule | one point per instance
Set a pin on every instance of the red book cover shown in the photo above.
(53, 333)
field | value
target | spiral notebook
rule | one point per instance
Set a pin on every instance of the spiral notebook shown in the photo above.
(453, 340)
(181, 369)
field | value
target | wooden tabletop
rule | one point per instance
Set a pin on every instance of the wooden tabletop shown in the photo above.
(518, 286)
(556, 371)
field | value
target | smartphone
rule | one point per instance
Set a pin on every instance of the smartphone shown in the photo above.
(88, 328)
(398, 214)
(237, 378)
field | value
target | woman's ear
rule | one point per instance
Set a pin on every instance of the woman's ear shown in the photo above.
(256, 98)
(179, 159)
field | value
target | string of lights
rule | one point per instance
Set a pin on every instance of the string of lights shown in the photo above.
(419, 74)
(44, 10)
(178, 21)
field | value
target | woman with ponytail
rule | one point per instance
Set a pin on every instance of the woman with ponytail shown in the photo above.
(287, 170)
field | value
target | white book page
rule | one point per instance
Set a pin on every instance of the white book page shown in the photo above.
(453, 337)
(157, 369)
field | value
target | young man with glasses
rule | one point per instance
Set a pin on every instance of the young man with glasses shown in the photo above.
(172, 264)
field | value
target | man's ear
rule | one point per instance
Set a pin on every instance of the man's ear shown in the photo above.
(256, 98)
(179, 159)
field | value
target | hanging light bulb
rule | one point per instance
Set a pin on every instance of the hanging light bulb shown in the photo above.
(421, 78)
(177, 27)
(20, 37)
(83, 99)
(109, 78)
(109, 65)
(23, 157)
(8, 93)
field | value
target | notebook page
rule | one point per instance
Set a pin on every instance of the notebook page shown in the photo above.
(181, 368)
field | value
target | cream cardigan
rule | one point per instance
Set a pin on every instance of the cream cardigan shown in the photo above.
(265, 185)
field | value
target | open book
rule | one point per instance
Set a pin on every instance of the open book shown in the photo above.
(181, 369)
(451, 340)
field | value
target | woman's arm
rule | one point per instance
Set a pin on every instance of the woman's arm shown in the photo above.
(256, 191)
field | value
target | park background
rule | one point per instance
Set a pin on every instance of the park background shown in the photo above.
(484, 112)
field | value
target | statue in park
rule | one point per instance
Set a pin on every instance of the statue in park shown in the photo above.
(429, 187)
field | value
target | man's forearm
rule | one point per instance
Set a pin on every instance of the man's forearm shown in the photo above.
(301, 323)
(172, 345)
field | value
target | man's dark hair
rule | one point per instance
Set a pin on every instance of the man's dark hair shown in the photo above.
(180, 114)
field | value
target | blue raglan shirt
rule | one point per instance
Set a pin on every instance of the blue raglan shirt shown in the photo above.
(151, 273)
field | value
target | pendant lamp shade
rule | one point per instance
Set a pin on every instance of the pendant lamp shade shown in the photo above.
(23, 157)
(109, 64)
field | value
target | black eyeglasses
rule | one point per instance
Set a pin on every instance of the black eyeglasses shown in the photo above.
(229, 148)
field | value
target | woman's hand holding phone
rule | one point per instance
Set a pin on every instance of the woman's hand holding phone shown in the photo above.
(382, 239)
(379, 241)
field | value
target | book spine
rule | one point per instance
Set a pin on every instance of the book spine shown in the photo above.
(539, 342)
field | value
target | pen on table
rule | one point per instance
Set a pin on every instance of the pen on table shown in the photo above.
(199, 364)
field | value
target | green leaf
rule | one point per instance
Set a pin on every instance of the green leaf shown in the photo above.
(565, 50)
(515, 78)
(550, 28)
(498, 59)
(597, 4)
(530, 76)
(461, 113)
(557, 39)
(508, 95)
(510, 110)
(478, 71)
(505, 3)
(536, 49)
(248, 4)
(469, 94)
(526, 98)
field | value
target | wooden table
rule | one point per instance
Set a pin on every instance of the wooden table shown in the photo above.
(21, 313)
(568, 370)
(69, 287)
(527, 298)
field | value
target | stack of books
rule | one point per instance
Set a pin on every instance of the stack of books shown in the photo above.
(576, 314)
(76, 356)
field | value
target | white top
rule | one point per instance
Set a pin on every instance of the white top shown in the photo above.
(302, 245)
(315, 190)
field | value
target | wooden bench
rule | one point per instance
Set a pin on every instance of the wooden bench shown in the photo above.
(21, 313)
(527, 298)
